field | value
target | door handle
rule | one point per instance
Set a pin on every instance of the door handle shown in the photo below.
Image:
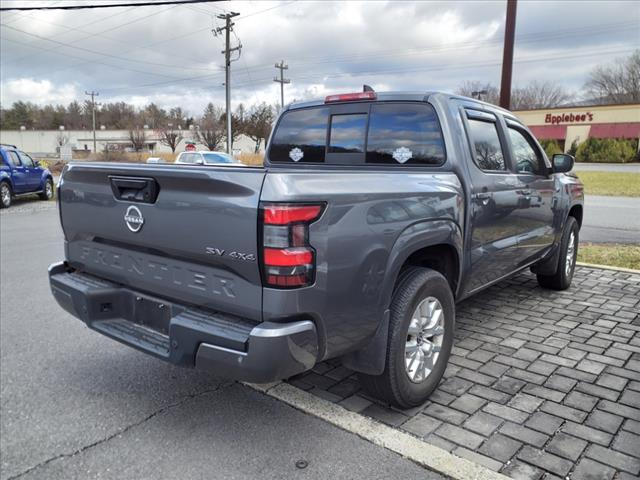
(482, 197)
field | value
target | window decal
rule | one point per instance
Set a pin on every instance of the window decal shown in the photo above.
(296, 154)
(402, 154)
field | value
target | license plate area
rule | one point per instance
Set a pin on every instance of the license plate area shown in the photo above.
(152, 314)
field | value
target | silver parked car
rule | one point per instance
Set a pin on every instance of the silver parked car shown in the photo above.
(205, 158)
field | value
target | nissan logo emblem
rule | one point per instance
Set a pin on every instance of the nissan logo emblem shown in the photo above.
(134, 219)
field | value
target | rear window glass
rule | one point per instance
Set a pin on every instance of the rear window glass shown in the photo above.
(301, 136)
(404, 133)
(398, 133)
(348, 133)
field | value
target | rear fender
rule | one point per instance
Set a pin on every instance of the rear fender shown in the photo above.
(371, 358)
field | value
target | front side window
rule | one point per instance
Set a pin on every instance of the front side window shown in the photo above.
(301, 136)
(348, 133)
(487, 151)
(404, 133)
(526, 158)
(26, 160)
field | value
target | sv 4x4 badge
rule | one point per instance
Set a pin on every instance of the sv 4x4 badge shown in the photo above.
(220, 252)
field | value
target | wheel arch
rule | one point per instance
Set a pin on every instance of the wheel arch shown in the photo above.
(435, 244)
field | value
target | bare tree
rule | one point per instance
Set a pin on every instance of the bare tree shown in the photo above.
(534, 95)
(138, 138)
(616, 83)
(257, 125)
(170, 137)
(539, 95)
(482, 91)
(211, 128)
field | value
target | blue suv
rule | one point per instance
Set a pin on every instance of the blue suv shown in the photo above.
(22, 175)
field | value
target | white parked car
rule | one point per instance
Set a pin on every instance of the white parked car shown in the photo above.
(205, 158)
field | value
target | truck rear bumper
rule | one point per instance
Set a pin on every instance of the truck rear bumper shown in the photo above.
(226, 345)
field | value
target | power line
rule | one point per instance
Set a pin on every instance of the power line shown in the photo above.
(88, 50)
(86, 36)
(111, 5)
(99, 34)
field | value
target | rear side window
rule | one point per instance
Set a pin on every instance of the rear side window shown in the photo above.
(487, 152)
(404, 133)
(14, 159)
(301, 136)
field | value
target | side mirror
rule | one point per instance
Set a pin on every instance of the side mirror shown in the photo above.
(199, 161)
(36, 163)
(562, 163)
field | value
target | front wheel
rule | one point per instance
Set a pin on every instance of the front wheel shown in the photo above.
(47, 192)
(421, 327)
(561, 280)
(5, 195)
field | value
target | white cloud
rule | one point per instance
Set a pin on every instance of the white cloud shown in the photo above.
(330, 46)
(41, 92)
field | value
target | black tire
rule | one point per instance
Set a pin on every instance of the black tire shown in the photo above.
(394, 384)
(6, 195)
(561, 280)
(47, 194)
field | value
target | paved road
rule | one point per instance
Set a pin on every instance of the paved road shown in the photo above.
(74, 404)
(608, 167)
(611, 219)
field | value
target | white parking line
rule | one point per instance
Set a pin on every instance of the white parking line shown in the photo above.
(402, 443)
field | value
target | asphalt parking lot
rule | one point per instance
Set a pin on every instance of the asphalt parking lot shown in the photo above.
(541, 385)
(74, 404)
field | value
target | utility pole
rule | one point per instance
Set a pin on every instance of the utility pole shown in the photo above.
(93, 115)
(282, 80)
(227, 64)
(507, 57)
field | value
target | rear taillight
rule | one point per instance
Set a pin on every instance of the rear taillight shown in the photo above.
(288, 260)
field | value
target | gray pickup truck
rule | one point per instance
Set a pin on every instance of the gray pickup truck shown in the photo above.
(372, 216)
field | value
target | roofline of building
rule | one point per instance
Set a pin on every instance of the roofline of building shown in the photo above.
(606, 105)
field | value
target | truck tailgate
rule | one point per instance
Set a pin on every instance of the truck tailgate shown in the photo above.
(196, 242)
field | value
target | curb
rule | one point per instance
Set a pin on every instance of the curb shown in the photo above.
(607, 267)
(397, 441)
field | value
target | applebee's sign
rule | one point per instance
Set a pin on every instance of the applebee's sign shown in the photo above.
(568, 118)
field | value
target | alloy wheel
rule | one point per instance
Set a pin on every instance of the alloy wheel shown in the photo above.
(424, 339)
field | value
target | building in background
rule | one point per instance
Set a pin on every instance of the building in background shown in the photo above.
(575, 124)
(50, 143)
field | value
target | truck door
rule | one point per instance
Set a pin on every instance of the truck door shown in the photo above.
(493, 227)
(32, 172)
(18, 173)
(535, 190)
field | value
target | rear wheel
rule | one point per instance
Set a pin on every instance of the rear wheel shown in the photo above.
(421, 329)
(47, 192)
(5, 195)
(561, 280)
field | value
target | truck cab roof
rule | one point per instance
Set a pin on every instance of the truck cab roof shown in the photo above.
(414, 96)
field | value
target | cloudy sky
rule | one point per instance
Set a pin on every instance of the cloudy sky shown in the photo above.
(168, 54)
